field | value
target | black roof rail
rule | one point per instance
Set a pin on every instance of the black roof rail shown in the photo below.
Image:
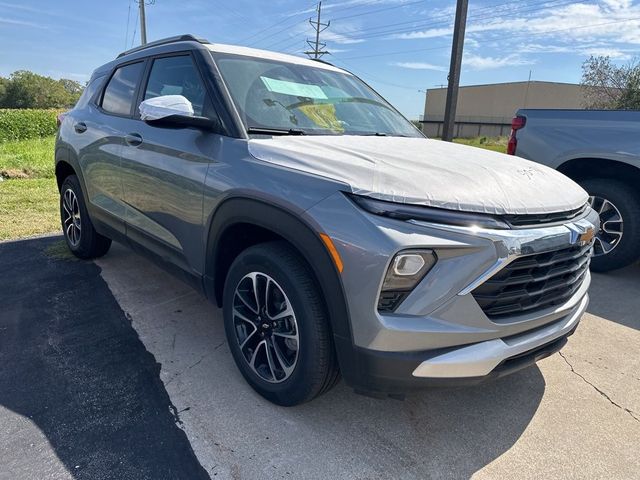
(164, 41)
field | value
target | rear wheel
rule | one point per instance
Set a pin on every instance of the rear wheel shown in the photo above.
(82, 239)
(617, 243)
(276, 325)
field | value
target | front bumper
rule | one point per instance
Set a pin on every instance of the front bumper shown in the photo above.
(439, 335)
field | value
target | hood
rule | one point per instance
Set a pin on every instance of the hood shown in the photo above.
(427, 172)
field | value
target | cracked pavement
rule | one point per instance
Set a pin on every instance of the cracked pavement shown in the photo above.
(575, 415)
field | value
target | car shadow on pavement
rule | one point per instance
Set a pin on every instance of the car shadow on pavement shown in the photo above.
(73, 366)
(436, 433)
(616, 296)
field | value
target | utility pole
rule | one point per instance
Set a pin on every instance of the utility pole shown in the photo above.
(454, 70)
(143, 21)
(318, 46)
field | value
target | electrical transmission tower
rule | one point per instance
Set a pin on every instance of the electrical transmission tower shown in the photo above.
(317, 47)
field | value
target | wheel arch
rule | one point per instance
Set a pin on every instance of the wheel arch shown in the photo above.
(240, 222)
(584, 168)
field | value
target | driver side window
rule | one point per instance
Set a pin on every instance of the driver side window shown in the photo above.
(177, 76)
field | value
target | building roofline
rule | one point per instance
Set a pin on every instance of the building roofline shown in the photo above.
(524, 82)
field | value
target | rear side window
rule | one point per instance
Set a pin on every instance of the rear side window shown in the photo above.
(177, 76)
(90, 90)
(119, 94)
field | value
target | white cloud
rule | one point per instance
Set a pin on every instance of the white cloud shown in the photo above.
(614, 21)
(419, 66)
(607, 52)
(340, 38)
(22, 23)
(477, 62)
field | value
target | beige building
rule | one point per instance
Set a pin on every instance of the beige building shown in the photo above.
(488, 109)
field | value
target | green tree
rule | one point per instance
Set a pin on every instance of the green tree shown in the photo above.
(611, 87)
(3, 89)
(25, 89)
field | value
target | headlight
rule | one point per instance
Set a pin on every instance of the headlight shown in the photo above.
(403, 211)
(405, 271)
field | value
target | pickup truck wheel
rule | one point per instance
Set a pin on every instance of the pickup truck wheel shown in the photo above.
(82, 239)
(276, 325)
(617, 243)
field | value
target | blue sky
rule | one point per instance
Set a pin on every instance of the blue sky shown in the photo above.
(401, 47)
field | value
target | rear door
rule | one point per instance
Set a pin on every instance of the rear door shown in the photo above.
(98, 127)
(165, 168)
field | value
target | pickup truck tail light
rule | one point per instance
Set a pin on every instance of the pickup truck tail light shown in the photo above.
(516, 124)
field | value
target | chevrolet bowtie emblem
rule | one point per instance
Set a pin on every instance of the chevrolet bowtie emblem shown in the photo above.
(586, 237)
(581, 235)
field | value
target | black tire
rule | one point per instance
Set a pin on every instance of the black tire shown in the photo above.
(84, 243)
(315, 371)
(627, 201)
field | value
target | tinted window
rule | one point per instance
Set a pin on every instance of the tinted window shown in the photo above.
(118, 96)
(176, 76)
(89, 91)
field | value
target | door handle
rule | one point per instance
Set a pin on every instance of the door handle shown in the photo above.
(80, 127)
(133, 139)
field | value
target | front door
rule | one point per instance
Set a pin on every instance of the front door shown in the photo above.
(164, 169)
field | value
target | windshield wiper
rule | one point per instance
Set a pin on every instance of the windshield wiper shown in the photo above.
(275, 131)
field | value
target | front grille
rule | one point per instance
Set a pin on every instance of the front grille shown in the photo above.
(534, 282)
(542, 219)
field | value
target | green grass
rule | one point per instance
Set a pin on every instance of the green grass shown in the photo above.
(28, 207)
(28, 192)
(60, 251)
(31, 158)
(496, 144)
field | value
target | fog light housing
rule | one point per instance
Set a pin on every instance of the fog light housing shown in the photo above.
(406, 270)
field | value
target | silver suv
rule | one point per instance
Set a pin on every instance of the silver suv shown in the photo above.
(338, 240)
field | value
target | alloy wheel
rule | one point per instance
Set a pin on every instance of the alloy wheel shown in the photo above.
(71, 220)
(265, 327)
(611, 226)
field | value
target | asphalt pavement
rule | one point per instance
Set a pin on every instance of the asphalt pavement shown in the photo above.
(112, 367)
(80, 396)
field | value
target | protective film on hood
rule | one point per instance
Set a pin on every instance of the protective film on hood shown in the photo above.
(427, 172)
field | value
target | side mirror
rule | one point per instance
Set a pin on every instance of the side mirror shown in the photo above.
(174, 111)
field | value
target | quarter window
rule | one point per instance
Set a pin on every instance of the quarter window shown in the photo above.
(177, 76)
(118, 96)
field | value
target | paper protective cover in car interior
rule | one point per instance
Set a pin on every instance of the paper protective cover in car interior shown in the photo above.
(427, 172)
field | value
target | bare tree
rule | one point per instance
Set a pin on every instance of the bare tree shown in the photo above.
(611, 87)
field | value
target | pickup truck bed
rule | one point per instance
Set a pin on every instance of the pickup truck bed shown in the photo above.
(600, 150)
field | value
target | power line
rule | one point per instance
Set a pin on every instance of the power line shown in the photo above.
(371, 12)
(397, 52)
(373, 77)
(126, 35)
(282, 21)
(522, 35)
(135, 28)
(273, 34)
(524, 8)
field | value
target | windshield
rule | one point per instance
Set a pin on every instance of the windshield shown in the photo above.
(295, 98)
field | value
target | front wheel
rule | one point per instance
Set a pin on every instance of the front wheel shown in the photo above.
(276, 325)
(82, 239)
(617, 243)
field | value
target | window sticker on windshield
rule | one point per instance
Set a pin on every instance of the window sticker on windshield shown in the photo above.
(293, 88)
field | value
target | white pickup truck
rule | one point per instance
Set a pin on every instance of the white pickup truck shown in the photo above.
(601, 151)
